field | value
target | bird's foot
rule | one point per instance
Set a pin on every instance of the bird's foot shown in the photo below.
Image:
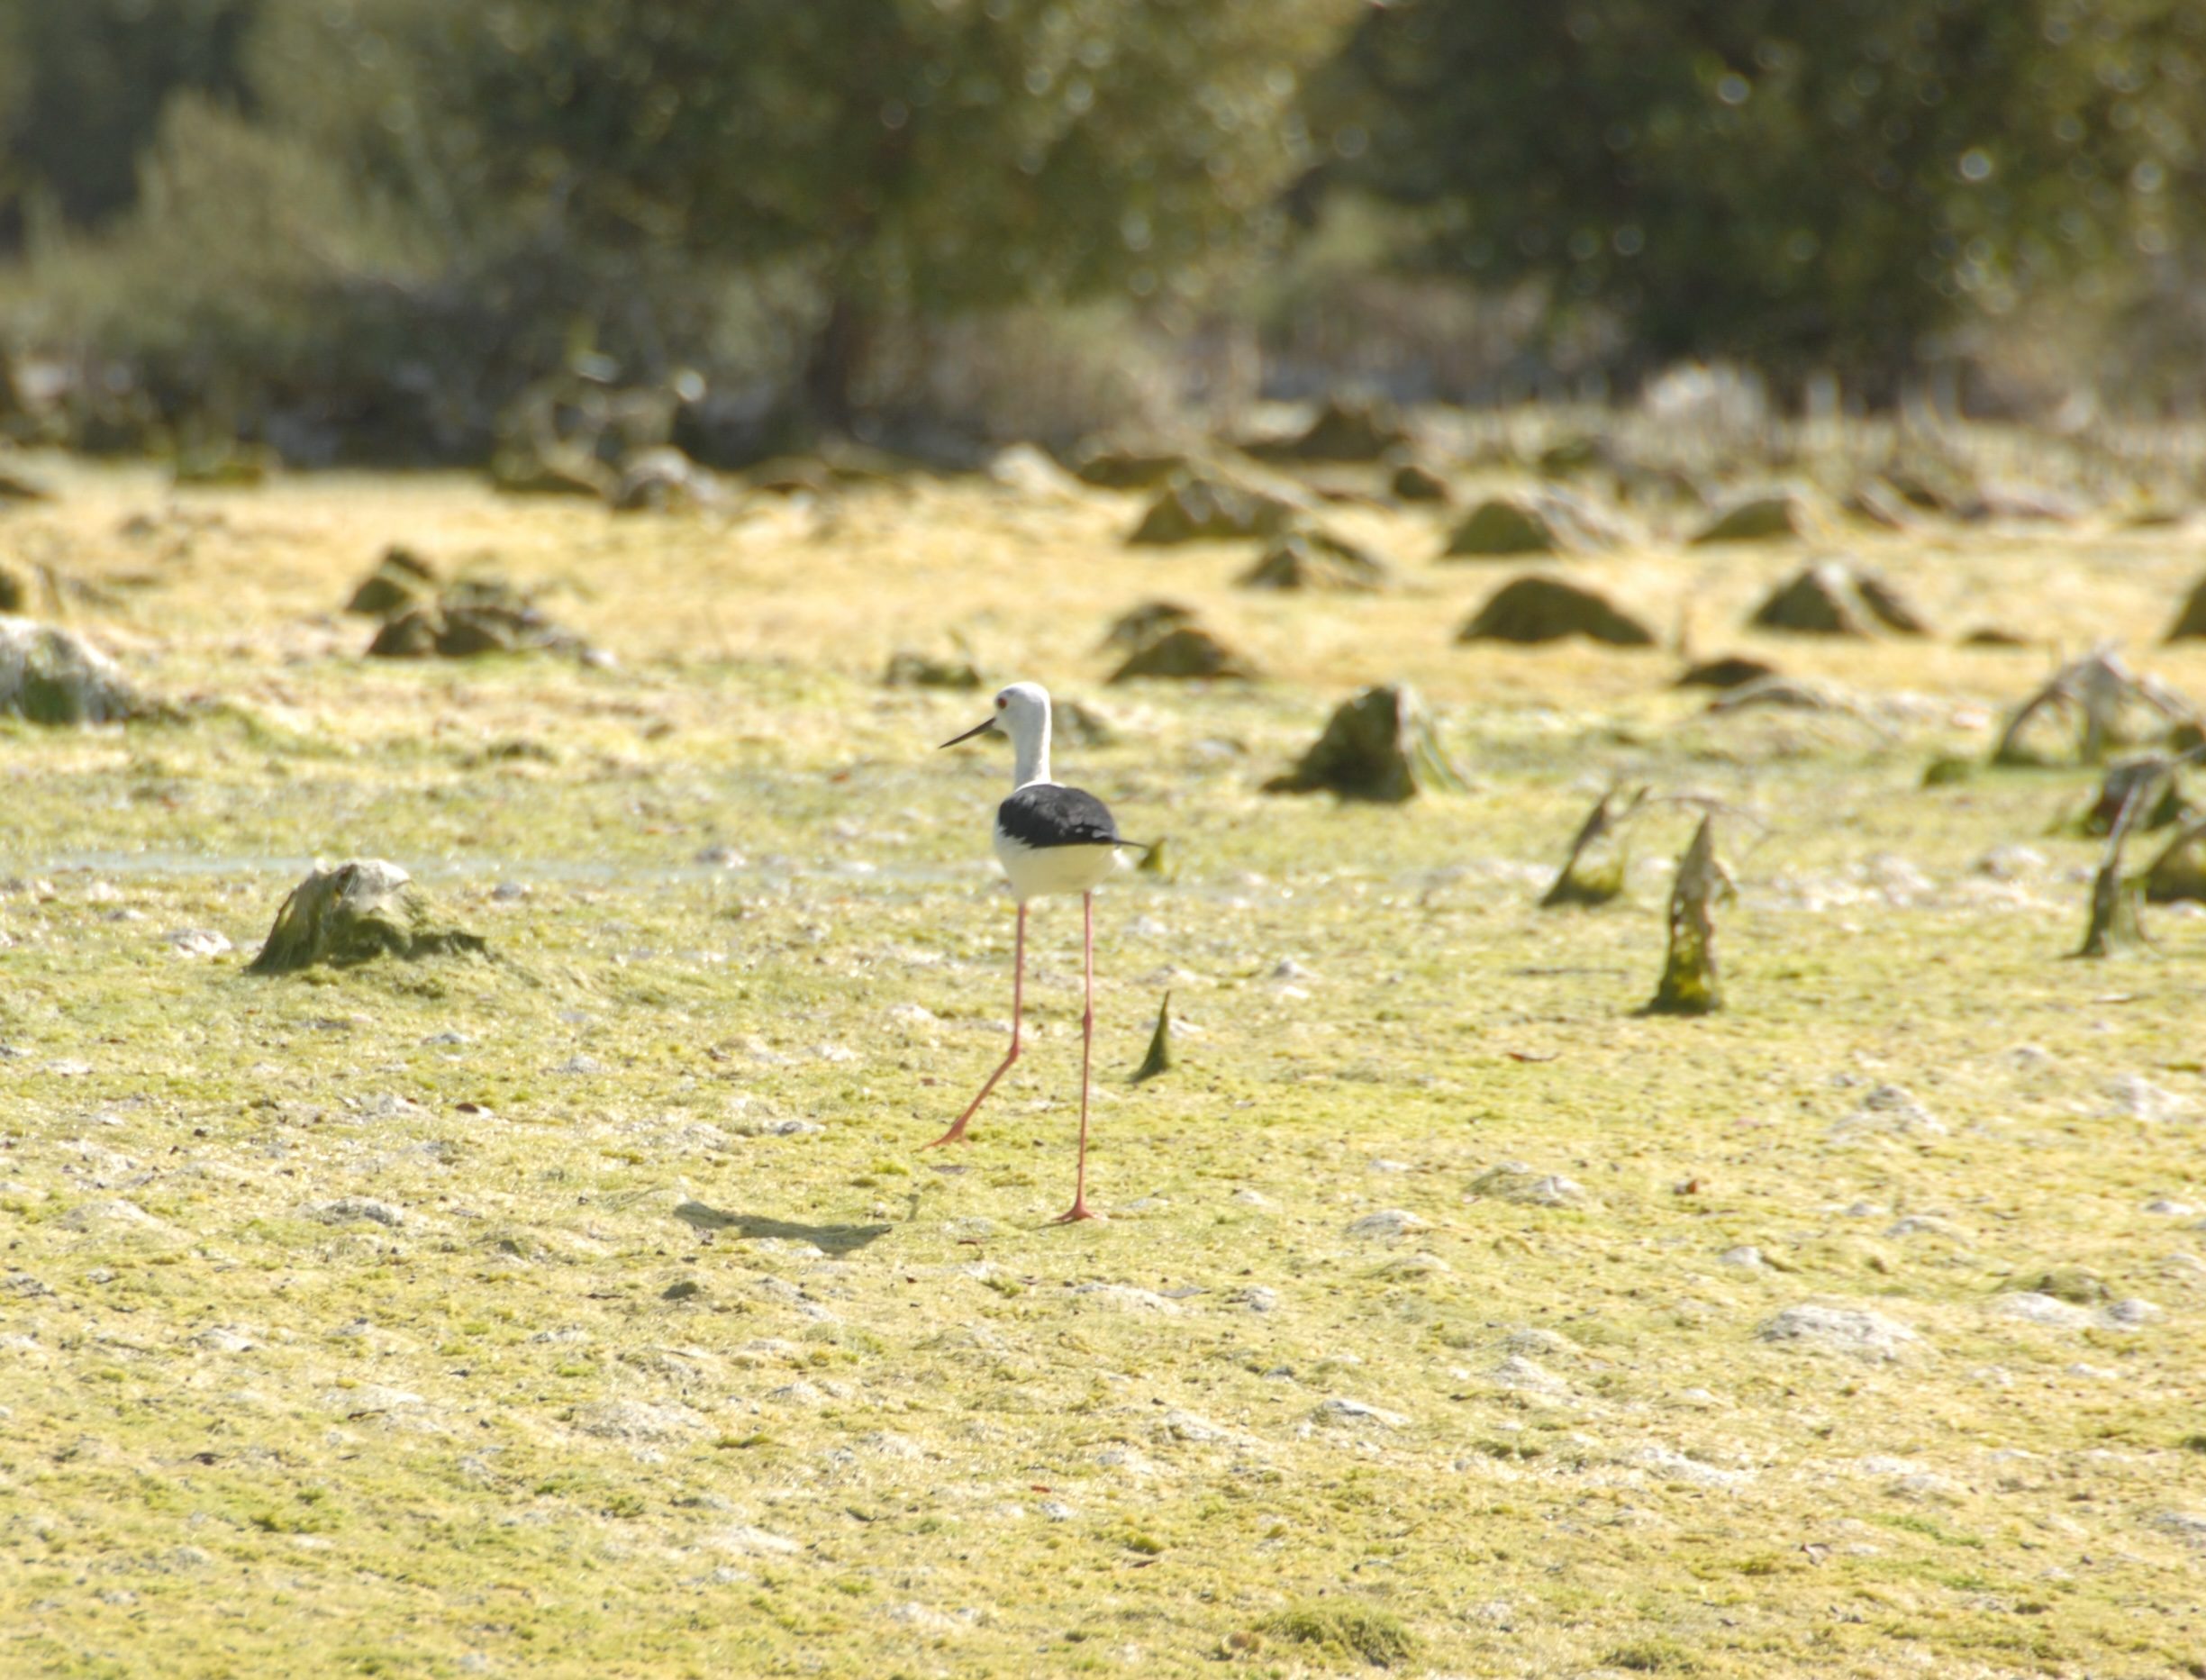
(956, 1134)
(1077, 1211)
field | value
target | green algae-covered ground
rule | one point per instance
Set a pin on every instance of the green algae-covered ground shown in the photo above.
(591, 1308)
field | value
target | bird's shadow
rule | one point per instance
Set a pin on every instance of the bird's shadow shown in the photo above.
(827, 1238)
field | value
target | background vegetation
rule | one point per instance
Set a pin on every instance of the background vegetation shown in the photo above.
(363, 227)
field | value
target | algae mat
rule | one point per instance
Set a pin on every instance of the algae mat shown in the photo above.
(588, 1308)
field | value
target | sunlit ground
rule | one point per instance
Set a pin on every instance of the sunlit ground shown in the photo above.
(592, 1309)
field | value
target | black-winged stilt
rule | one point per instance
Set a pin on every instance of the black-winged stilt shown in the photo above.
(1049, 839)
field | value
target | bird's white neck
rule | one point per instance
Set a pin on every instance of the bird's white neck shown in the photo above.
(1030, 754)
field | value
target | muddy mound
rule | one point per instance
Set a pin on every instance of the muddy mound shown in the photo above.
(1378, 745)
(1730, 670)
(1415, 482)
(351, 913)
(2179, 872)
(1832, 598)
(1139, 626)
(49, 674)
(1117, 466)
(1204, 507)
(1187, 653)
(402, 579)
(1538, 608)
(911, 669)
(474, 617)
(2191, 621)
(1770, 516)
(1345, 429)
(1537, 522)
(1316, 559)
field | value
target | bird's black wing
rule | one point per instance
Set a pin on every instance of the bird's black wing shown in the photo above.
(1043, 814)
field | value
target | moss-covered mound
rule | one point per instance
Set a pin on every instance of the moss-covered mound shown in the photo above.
(352, 913)
(1310, 558)
(1139, 626)
(1198, 507)
(1730, 670)
(402, 579)
(1345, 429)
(475, 616)
(1544, 522)
(2191, 621)
(1378, 745)
(1116, 467)
(1832, 598)
(2179, 872)
(49, 674)
(1415, 482)
(1188, 652)
(1536, 608)
(1772, 516)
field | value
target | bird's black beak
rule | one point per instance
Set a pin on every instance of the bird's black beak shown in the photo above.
(978, 729)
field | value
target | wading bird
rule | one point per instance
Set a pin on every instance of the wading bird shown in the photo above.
(1049, 839)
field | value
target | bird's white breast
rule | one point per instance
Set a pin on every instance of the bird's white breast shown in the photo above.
(1037, 870)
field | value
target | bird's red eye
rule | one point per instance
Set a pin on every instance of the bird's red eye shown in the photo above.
(1000, 702)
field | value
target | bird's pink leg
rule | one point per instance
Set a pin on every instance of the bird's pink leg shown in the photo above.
(1078, 1209)
(956, 1134)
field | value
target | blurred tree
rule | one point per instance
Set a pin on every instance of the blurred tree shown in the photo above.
(1801, 187)
(82, 84)
(899, 156)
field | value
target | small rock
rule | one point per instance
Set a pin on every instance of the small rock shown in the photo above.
(1853, 1331)
(1339, 1410)
(1413, 1266)
(2136, 1097)
(2131, 1313)
(2011, 863)
(198, 942)
(1124, 1297)
(1677, 1466)
(1386, 1225)
(1888, 1110)
(1513, 1181)
(349, 1209)
(1518, 1372)
(2033, 1308)
(1746, 1254)
(632, 1420)
(745, 1542)
(1923, 1225)
(115, 1214)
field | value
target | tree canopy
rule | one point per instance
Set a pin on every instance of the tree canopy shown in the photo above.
(1797, 185)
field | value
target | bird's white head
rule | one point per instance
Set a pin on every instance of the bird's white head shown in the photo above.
(1022, 713)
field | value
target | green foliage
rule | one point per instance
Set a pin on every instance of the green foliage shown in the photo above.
(1344, 1628)
(82, 87)
(905, 156)
(1796, 186)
